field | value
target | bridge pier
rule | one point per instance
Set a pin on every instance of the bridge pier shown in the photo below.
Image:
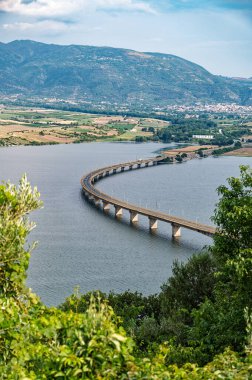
(98, 198)
(153, 223)
(106, 206)
(176, 230)
(96, 201)
(90, 197)
(133, 216)
(118, 211)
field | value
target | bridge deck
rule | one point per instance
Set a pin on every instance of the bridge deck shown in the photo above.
(88, 187)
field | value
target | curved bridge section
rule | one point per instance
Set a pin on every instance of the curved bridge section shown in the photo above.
(100, 198)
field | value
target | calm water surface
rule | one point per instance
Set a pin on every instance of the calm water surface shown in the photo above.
(79, 245)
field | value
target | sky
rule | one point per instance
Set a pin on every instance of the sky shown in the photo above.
(216, 34)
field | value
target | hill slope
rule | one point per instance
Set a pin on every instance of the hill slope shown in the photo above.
(103, 74)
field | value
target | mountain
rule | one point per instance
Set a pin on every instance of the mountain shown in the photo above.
(114, 76)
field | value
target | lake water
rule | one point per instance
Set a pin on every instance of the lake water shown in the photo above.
(79, 245)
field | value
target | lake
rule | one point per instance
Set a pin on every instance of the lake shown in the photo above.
(80, 245)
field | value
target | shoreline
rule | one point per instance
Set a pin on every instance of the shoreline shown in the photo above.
(190, 151)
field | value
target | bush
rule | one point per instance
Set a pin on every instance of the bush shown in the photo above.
(84, 339)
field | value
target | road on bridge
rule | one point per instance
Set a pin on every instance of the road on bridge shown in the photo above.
(90, 191)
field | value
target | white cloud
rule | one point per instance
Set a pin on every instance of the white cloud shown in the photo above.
(217, 39)
(41, 26)
(62, 8)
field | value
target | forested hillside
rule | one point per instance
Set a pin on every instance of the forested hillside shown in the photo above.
(104, 75)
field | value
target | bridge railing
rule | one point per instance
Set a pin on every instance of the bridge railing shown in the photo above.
(89, 189)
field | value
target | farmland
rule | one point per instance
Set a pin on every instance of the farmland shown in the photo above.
(22, 126)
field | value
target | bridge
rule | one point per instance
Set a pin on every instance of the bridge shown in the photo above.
(106, 201)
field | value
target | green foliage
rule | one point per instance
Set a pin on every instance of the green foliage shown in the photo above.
(198, 312)
(121, 127)
(15, 203)
(233, 216)
(103, 78)
(167, 160)
(181, 129)
(57, 344)
(178, 158)
(190, 283)
(200, 152)
(218, 152)
(140, 139)
(134, 310)
(222, 140)
(189, 286)
(220, 322)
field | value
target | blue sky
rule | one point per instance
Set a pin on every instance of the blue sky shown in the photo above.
(215, 34)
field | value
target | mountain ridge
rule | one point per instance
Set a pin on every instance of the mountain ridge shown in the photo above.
(84, 73)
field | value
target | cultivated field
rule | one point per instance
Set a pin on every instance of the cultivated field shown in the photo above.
(22, 126)
(189, 150)
(243, 152)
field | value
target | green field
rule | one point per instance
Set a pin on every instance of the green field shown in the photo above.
(23, 126)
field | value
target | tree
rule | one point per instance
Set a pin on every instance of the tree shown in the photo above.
(190, 283)
(140, 139)
(15, 203)
(221, 322)
(233, 216)
(200, 153)
(178, 158)
(39, 342)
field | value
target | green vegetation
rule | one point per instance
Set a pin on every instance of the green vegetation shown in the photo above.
(22, 126)
(167, 160)
(107, 79)
(218, 152)
(140, 139)
(183, 130)
(198, 327)
(122, 127)
(200, 153)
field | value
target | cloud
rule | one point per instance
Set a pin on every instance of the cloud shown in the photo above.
(46, 26)
(214, 33)
(62, 8)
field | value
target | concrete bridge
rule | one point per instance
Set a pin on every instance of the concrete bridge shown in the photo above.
(106, 201)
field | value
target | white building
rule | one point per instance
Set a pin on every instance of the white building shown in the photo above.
(203, 137)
